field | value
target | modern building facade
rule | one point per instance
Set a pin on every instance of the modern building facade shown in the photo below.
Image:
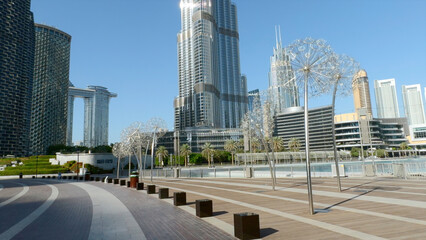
(50, 88)
(253, 96)
(282, 91)
(290, 124)
(16, 75)
(212, 92)
(361, 91)
(386, 98)
(96, 114)
(353, 131)
(413, 104)
(197, 137)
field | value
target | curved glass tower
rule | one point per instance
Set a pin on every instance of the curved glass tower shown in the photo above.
(50, 88)
(212, 92)
(16, 75)
(282, 91)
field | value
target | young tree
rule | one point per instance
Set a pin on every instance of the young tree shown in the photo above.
(231, 146)
(162, 153)
(294, 145)
(185, 150)
(207, 152)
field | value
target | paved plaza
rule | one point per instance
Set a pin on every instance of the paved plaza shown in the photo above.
(367, 208)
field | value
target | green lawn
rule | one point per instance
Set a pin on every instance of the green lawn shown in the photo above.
(30, 164)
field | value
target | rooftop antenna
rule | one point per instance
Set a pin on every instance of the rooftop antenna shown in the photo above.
(276, 36)
(279, 33)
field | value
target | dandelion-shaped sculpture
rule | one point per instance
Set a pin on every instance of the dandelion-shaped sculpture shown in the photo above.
(119, 152)
(158, 127)
(344, 68)
(312, 62)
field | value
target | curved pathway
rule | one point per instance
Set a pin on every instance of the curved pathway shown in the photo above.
(50, 208)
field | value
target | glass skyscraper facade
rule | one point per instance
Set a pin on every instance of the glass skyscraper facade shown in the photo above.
(212, 92)
(16, 75)
(282, 91)
(386, 98)
(50, 88)
(413, 104)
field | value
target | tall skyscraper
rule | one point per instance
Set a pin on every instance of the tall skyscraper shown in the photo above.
(282, 89)
(413, 104)
(212, 92)
(252, 97)
(16, 75)
(361, 91)
(386, 99)
(96, 114)
(50, 88)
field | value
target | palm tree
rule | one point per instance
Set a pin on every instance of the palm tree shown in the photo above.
(231, 146)
(185, 150)
(207, 151)
(403, 146)
(277, 144)
(294, 145)
(255, 144)
(162, 153)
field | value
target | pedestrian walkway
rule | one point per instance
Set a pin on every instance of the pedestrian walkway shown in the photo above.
(47, 208)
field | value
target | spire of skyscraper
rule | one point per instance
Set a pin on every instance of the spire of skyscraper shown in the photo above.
(282, 91)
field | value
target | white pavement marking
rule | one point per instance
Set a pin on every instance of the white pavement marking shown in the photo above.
(326, 226)
(395, 201)
(20, 194)
(111, 218)
(15, 229)
(354, 210)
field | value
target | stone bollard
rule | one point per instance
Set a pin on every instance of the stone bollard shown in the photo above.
(123, 182)
(246, 225)
(33, 176)
(92, 178)
(64, 177)
(139, 186)
(179, 198)
(80, 178)
(109, 180)
(103, 179)
(116, 180)
(163, 193)
(97, 179)
(53, 177)
(74, 177)
(128, 184)
(150, 189)
(48, 177)
(204, 208)
(43, 177)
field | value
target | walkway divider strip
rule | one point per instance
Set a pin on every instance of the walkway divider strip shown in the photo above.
(15, 229)
(111, 218)
(323, 225)
(20, 194)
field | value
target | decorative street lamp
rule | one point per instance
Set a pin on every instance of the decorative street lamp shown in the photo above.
(78, 167)
(312, 62)
(344, 69)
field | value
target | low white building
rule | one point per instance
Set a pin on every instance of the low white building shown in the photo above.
(102, 160)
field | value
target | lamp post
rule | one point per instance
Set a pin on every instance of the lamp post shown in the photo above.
(36, 165)
(78, 167)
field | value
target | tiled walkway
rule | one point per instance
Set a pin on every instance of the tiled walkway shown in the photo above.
(367, 208)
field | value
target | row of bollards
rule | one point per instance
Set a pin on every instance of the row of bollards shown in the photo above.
(246, 224)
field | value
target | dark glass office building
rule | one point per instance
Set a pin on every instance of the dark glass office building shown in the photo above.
(16, 75)
(50, 88)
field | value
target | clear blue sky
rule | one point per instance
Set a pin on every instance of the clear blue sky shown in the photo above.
(129, 46)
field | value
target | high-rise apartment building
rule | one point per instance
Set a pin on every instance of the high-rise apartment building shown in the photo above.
(413, 104)
(50, 88)
(282, 89)
(212, 92)
(361, 91)
(386, 98)
(16, 75)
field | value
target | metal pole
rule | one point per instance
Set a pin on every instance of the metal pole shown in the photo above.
(336, 161)
(152, 152)
(36, 165)
(308, 163)
(78, 168)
